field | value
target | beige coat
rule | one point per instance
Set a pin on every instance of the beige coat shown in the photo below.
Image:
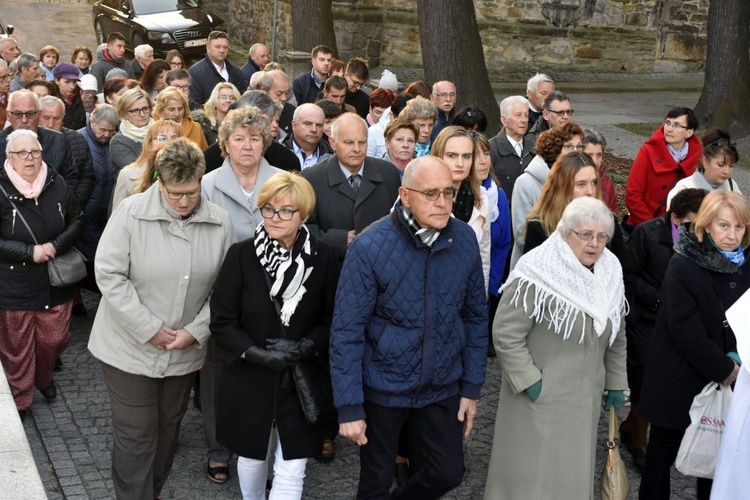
(127, 180)
(154, 271)
(546, 449)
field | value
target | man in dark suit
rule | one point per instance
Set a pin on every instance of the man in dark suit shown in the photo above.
(352, 191)
(214, 68)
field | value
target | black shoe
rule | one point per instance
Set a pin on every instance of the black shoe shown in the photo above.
(23, 414)
(638, 456)
(49, 392)
(58, 365)
(79, 310)
(402, 474)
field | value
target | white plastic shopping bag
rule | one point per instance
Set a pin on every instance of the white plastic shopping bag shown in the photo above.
(699, 449)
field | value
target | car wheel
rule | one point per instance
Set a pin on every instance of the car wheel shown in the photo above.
(100, 37)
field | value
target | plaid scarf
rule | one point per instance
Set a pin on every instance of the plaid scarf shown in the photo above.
(427, 235)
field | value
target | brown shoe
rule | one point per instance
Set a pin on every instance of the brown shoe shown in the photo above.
(329, 450)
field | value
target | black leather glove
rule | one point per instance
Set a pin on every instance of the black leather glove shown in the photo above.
(303, 348)
(273, 360)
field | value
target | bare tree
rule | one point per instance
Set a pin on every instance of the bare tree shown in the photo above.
(312, 24)
(452, 50)
(724, 101)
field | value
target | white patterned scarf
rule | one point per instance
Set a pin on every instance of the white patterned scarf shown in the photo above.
(288, 269)
(565, 289)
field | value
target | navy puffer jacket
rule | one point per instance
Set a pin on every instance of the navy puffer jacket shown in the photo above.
(410, 322)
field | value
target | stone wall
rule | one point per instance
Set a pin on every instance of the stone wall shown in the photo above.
(519, 36)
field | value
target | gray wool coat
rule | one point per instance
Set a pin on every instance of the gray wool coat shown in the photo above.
(547, 448)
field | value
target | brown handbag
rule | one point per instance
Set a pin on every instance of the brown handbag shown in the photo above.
(614, 476)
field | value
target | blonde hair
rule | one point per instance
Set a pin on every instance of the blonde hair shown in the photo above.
(127, 100)
(213, 101)
(147, 156)
(419, 108)
(292, 184)
(715, 201)
(171, 94)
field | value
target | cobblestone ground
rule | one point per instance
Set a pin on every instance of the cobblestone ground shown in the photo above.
(71, 441)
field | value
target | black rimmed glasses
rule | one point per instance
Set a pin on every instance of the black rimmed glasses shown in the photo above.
(433, 194)
(675, 125)
(562, 112)
(140, 111)
(589, 236)
(177, 195)
(20, 114)
(25, 155)
(284, 214)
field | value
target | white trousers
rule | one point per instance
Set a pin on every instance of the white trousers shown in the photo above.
(288, 475)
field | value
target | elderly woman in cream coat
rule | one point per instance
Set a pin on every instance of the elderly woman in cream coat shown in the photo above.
(156, 264)
(559, 333)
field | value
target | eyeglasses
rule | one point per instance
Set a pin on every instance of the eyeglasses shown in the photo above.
(284, 214)
(433, 194)
(722, 143)
(20, 114)
(184, 88)
(176, 195)
(140, 111)
(674, 125)
(24, 155)
(562, 112)
(176, 65)
(165, 138)
(589, 236)
(355, 83)
(446, 95)
(572, 147)
(229, 98)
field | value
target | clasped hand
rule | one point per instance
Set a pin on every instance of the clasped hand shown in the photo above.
(44, 253)
(280, 354)
(168, 339)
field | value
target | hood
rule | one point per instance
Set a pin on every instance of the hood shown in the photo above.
(705, 254)
(178, 20)
(538, 169)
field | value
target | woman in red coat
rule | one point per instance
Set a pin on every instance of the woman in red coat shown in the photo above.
(671, 154)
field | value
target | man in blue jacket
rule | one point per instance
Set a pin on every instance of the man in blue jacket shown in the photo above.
(409, 337)
(214, 68)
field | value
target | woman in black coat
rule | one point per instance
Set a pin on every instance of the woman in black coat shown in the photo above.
(644, 264)
(692, 343)
(257, 397)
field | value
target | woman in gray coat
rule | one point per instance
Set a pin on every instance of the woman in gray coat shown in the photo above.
(559, 333)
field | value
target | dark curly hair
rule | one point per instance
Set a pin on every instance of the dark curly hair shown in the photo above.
(549, 144)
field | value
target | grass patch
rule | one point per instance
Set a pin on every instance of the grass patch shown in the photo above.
(644, 129)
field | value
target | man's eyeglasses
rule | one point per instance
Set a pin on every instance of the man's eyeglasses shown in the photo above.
(589, 236)
(20, 114)
(284, 213)
(176, 195)
(445, 95)
(562, 112)
(184, 88)
(674, 125)
(356, 83)
(140, 111)
(433, 194)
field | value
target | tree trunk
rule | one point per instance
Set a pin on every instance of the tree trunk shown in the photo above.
(724, 101)
(312, 24)
(452, 50)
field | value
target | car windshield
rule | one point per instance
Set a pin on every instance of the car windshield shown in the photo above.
(143, 7)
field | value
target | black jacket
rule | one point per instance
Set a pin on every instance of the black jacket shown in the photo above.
(205, 77)
(305, 89)
(540, 126)
(55, 153)
(506, 163)
(691, 339)
(249, 68)
(83, 163)
(251, 398)
(360, 100)
(276, 154)
(54, 217)
(75, 114)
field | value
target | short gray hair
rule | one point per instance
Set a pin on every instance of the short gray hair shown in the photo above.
(4, 41)
(507, 104)
(535, 80)
(19, 134)
(49, 100)
(593, 136)
(555, 96)
(141, 50)
(180, 162)
(25, 61)
(20, 93)
(249, 117)
(586, 209)
(105, 113)
(419, 108)
(261, 100)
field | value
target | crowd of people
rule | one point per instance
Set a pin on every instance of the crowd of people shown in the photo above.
(399, 247)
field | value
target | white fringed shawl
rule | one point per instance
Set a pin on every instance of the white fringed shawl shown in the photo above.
(564, 289)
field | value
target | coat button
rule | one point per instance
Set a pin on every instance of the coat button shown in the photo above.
(187, 277)
(732, 285)
(11, 267)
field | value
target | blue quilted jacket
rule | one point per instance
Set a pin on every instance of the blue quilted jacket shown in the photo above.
(410, 322)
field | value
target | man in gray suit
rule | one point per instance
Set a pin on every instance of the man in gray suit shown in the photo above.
(352, 191)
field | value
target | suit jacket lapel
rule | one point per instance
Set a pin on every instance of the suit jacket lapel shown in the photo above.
(337, 180)
(370, 180)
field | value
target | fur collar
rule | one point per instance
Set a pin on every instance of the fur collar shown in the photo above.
(703, 254)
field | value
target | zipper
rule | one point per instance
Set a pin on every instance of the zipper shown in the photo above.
(59, 209)
(13, 225)
(424, 327)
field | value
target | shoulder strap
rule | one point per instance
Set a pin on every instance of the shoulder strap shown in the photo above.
(18, 212)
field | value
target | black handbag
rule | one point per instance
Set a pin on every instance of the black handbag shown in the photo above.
(312, 380)
(64, 270)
